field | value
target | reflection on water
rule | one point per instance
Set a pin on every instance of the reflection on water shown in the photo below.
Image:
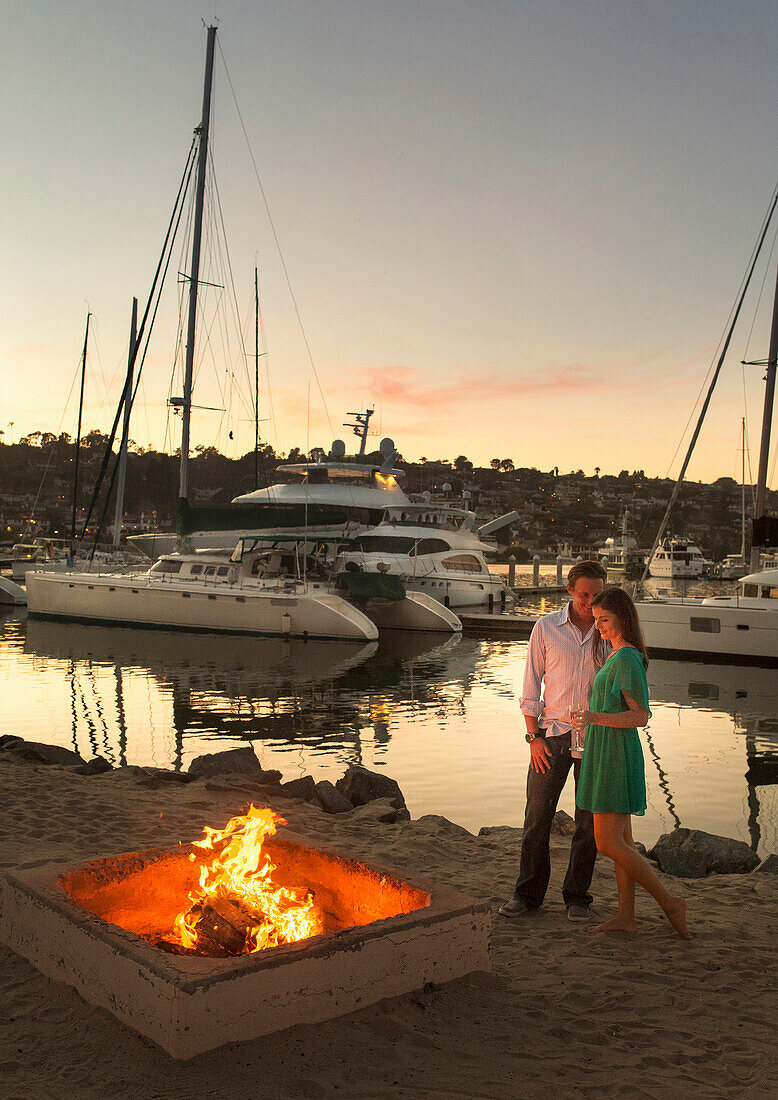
(439, 714)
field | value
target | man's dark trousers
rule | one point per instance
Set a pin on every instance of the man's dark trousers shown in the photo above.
(543, 791)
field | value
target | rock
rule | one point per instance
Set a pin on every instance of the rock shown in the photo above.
(641, 848)
(232, 761)
(506, 830)
(361, 786)
(154, 777)
(260, 794)
(8, 739)
(770, 864)
(38, 753)
(98, 765)
(331, 798)
(692, 853)
(563, 824)
(304, 788)
(380, 810)
(443, 824)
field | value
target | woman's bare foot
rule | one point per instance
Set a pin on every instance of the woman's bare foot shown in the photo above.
(616, 924)
(676, 914)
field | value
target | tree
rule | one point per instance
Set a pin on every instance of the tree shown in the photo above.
(506, 464)
(495, 464)
(460, 462)
(596, 471)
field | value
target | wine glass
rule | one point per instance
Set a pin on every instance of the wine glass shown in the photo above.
(578, 707)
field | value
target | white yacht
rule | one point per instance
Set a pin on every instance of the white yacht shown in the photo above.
(677, 558)
(743, 626)
(730, 568)
(204, 591)
(333, 498)
(432, 544)
(620, 554)
(445, 560)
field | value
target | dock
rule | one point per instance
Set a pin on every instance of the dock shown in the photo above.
(504, 626)
(536, 589)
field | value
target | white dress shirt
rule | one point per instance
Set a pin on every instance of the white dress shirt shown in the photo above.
(560, 670)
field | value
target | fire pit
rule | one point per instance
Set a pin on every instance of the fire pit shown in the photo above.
(194, 949)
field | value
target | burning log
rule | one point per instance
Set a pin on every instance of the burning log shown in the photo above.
(221, 922)
(238, 909)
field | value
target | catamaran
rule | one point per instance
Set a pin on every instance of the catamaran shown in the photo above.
(218, 595)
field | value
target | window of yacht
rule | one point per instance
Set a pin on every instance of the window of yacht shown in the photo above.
(392, 544)
(222, 571)
(432, 546)
(210, 570)
(463, 563)
(699, 625)
(166, 566)
(195, 569)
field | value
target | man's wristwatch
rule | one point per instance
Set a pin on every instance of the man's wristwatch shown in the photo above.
(530, 737)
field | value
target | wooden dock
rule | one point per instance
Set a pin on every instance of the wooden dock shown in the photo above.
(520, 590)
(505, 626)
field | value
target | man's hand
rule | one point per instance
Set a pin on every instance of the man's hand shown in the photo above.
(540, 755)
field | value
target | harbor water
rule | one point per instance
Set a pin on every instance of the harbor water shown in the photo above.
(440, 715)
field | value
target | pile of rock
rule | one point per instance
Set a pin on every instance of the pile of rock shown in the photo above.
(358, 787)
(239, 769)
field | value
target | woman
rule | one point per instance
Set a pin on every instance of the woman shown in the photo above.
(612, 781)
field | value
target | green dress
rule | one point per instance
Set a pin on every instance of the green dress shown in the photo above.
(612, 778)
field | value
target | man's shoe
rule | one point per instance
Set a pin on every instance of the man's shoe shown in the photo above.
(514, 907)
(577, 913)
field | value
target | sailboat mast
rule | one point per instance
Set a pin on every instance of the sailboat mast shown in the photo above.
(743, 496)
(764, 450)
(122, 472)
(78, 440)
(256, 378)
(195, 268)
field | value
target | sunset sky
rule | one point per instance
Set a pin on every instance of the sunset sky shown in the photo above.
(517, 228)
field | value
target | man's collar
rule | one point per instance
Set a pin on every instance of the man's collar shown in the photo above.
(567, 619)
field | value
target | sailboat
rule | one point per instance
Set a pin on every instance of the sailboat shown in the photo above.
(197, 592)
(743, 627)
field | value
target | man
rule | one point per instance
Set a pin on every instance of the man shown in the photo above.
(562, 661)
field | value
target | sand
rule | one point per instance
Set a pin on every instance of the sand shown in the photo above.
(563, 1012)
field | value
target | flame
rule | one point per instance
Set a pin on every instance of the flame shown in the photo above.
(241, 872)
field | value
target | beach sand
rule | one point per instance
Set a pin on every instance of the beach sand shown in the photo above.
(563, 1012)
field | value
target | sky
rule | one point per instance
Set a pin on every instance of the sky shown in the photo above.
(515, 228)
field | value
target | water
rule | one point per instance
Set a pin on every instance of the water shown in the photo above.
(439, 715)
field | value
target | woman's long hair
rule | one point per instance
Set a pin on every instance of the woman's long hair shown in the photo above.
(619, 603)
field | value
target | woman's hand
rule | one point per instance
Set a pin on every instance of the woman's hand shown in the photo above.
(634, 716)
(580, 719)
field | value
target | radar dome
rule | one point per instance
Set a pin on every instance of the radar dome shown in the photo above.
(338, 448)
(387, 447)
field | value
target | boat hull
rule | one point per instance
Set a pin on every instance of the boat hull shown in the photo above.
(416, 612)
(230, 609)
(694, 628)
